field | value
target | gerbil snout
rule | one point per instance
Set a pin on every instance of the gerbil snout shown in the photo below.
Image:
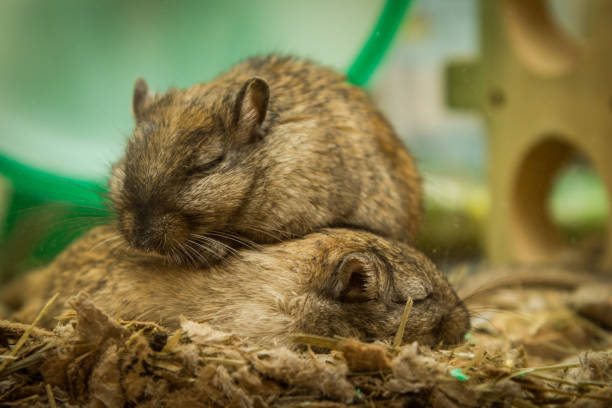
(453, 325)
(149, 231)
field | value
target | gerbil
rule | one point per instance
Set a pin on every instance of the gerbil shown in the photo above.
(275, 148)
(334, 282)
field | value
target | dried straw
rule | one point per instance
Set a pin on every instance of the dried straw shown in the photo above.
(26, 333)
(397, 341)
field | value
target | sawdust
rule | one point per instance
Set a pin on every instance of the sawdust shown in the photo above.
(529, 347)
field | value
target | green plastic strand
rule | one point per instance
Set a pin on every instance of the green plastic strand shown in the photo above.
(379, 41)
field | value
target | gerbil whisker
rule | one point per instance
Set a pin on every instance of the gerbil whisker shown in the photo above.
(236, 238)
(250, 227)
(102, 210)
(77, 224)
(88, 217)
(269, 232)
(175, 254)
(65, 206)
(201, 240)
(188, 256)
(199, 255)
(114, 237)
(478, 311)
(502, 281)
(116, 244)
(482, 290)
(183, 249)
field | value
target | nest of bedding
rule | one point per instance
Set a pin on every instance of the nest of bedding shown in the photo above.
(545, 343)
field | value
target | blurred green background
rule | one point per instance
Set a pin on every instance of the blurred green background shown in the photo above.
(67, 68)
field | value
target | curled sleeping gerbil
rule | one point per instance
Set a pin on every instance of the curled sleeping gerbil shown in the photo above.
(334, 282)
(275, 148)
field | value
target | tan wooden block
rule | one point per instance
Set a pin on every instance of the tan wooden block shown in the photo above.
(545, 97)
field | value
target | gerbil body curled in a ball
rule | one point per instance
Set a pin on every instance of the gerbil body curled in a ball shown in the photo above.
(334, 282)
(275, 148)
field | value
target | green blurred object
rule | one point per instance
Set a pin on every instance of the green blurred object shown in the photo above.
(45, 212)
(579, 202)
(458, 374)
(35, 189)
(377, 45)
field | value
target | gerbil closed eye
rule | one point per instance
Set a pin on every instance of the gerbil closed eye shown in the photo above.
(401, 300)
(207, 167)
(418, 288)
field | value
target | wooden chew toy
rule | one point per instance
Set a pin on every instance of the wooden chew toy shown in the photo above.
(545, 97)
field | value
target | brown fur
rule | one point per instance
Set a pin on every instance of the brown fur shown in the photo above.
(334, 282)
(275, 148)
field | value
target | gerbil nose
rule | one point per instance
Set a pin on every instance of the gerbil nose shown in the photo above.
(144, 232)
(143, 238)
(144, 241)
(159, 232)
(453, 326)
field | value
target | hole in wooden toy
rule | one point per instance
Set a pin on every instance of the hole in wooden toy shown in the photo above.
(540, 41)
(556, 217)
(579, 205)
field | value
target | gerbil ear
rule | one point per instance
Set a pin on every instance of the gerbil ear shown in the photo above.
(355, 279)
(140, 98)
(251, 105)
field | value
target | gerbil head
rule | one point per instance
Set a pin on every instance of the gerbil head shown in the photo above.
(363, 287)
(184, 171)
